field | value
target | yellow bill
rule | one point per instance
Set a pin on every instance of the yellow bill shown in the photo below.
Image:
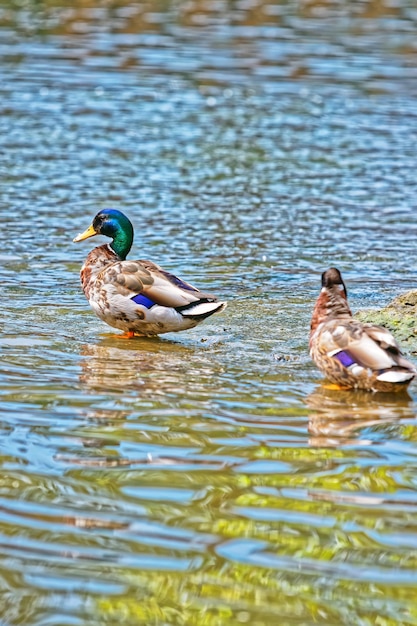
(90, 232)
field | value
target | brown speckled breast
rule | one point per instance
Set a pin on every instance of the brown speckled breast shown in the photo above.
(96, 261)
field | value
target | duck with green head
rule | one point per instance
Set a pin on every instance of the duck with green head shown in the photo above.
(138, 297)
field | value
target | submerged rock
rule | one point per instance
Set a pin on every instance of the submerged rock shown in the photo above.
(400, 316)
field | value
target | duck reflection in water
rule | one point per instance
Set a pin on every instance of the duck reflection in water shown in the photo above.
(141, 384)
(340, 416)
(154, 368)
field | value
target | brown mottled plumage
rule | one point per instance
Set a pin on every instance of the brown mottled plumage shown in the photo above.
(350, 353)
(138, 297)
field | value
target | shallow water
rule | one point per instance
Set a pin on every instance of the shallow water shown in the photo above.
(206, 477)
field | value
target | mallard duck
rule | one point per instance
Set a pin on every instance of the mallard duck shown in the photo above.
(138, 297)
(350, 353)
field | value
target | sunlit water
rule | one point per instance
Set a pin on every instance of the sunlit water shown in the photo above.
(207, 477)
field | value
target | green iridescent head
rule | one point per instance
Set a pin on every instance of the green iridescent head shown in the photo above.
(114, 224)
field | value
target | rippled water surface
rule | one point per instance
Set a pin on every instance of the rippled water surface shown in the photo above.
(204, 478)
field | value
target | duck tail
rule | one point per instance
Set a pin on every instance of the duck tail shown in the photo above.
(396, 376)
(202, 309)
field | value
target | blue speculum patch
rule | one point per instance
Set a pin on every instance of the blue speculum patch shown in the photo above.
(345, 358)
(143, 300)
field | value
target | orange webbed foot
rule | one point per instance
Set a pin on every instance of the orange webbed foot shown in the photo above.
(127, 335)
(336, 387)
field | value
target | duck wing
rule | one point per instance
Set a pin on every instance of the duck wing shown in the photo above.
(388, 344)
(132, 278)
(367, 345)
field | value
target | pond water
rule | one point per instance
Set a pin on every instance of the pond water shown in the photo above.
(207, 477)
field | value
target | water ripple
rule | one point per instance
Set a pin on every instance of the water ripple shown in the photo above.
(206, 477)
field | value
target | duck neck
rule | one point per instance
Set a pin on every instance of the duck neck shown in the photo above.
(331, 304)
(122, 240)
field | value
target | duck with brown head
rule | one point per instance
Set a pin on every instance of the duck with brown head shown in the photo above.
(352, 354)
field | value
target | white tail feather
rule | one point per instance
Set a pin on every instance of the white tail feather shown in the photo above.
(203, 308)
(395, 376)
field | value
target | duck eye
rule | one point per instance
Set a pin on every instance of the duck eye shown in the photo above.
(98, 223)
